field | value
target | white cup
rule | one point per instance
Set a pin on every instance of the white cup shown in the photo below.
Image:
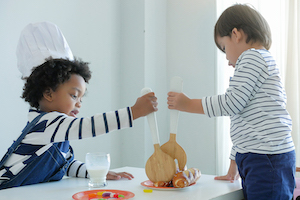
(97, 165)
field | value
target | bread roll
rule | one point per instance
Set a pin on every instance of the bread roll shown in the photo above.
(186, 177)
(196, 173)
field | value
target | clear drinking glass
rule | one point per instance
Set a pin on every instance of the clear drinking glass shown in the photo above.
(97, 165)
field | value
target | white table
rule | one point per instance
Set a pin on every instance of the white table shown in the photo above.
(205, 188)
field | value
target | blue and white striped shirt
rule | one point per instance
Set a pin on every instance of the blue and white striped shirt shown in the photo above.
(56, 127)
(256, 104)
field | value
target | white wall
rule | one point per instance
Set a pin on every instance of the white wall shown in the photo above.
(130, 44)
(191, 55)
(93, 32)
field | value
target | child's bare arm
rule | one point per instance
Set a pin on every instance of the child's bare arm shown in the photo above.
(179, 101)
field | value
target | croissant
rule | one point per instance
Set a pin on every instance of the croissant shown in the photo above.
(186, 177)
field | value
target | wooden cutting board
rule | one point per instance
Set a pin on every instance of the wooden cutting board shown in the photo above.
(160, 166)
(171, 147)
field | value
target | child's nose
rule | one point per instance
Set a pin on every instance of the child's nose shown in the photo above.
(78, 104)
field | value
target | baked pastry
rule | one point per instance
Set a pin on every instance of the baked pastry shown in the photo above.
(186, 177)
(162, 184)
(181, 179)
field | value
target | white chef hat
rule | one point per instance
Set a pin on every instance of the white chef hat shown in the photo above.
(40, 41)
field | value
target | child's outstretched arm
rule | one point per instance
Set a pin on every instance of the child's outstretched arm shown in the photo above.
(78, 169)
(144, 105)
(179, 101)
(232, 173)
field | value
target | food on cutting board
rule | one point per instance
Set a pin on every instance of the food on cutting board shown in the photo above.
(181, 179)
(186, 177)
(163, 184)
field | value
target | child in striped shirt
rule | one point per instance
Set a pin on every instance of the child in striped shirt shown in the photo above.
(54, 89)
(263, 152)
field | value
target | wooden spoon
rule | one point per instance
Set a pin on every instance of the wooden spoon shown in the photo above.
(160, 166)
(172, 147)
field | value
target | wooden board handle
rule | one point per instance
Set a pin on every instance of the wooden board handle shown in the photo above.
(152, 120)
(175, 86)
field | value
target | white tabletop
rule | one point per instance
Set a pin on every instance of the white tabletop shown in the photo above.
(205, 188)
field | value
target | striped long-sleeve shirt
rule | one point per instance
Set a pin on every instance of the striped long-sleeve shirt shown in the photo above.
(256, 104)
(56, 127)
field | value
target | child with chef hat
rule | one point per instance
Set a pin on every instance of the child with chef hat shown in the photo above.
(55, 83)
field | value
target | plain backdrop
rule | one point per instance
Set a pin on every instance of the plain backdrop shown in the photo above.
(130, 44)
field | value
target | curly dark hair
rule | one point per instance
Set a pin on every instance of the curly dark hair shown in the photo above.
(50, 75)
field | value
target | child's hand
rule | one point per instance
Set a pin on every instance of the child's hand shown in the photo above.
(232, 174)
(116, 176)
(228, 177)
(178, 101)
(144, 105)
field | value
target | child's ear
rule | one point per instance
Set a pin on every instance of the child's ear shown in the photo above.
(236, 34)
(48, 94)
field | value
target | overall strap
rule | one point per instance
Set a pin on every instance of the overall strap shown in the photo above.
(16, 143)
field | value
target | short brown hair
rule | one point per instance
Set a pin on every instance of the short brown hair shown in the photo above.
(241, 16)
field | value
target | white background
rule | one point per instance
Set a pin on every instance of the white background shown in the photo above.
(130, 44)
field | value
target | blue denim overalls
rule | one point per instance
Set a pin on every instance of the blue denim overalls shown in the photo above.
(49, 166)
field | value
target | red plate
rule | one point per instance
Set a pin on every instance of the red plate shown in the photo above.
(85, 194)
(149, 184)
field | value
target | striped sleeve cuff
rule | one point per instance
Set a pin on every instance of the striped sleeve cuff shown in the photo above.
(125, 117)
(232, 154)
(211, 106)
(77, 169)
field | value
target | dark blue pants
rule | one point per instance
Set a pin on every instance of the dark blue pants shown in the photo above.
(267, 176)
